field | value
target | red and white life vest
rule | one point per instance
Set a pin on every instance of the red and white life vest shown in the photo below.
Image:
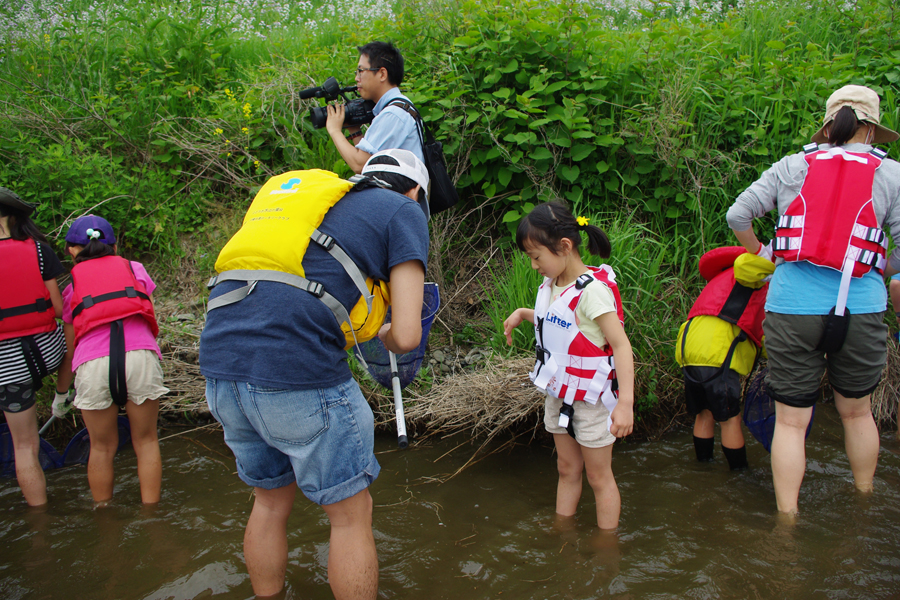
(832, 222)
(569, 366)
(105, 290)
(25, 305)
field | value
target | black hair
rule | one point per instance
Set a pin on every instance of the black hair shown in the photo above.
(20, 225)
(843, 127)
(385, 54)
(93, 249)
(548, 224)
(398, 183)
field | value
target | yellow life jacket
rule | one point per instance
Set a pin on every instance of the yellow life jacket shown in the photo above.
(272, 241)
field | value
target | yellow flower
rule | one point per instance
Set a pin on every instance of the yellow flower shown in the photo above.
(244, 130)
(227, 141)
(582, 221)
(229, 154)
(217, 131)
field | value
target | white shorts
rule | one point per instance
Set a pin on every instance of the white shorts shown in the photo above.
(590, 422)
(143, 378)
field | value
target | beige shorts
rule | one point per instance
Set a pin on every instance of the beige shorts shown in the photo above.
(143, 378)
(590, 422)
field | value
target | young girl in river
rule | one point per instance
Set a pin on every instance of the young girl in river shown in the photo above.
(584, 359)
(111, 328)
(31, 341)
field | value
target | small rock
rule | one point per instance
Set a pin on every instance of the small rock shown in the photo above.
(438, 356)
(184, 317)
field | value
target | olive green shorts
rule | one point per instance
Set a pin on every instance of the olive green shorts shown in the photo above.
(796, 367)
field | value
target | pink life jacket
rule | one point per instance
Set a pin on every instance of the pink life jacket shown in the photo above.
(569, 366)
(832, 222)
(105, 290)
(25, 304)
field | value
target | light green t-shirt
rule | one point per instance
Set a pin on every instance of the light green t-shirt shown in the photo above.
(596, 299)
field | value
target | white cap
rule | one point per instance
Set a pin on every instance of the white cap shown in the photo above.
(409, 166)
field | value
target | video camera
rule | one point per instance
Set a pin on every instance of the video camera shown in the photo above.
(356, 112)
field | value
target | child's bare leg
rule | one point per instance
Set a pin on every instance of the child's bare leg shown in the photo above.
(144, 438)
(26, 448)
(733, 443)
(704, 425)
(732, 435)
(570, 465)
(598, 463)
(704, 432)
(102, 426)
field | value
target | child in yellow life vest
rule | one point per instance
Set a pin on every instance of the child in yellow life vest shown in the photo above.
(719, 343)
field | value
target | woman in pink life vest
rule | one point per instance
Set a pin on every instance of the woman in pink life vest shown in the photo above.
(31, 340)
(584, 359)
(826, 299)
(111, 330)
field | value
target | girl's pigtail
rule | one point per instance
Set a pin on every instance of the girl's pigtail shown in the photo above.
(598, 242)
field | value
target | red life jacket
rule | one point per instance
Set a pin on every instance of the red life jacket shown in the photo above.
(105, 290)
(740, 305)
(25, 305)
(569, 366)
(832, 222)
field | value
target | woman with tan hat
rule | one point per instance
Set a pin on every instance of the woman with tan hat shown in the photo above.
(824, 310)
(31, 341)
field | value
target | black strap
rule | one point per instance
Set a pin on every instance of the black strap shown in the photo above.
(34, 361)
(38, 306)
(117, 387)
(89, 301)
(425, 136)
(726, 364)
(736, 303)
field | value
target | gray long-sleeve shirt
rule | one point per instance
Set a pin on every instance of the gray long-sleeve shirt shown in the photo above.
(780, 185)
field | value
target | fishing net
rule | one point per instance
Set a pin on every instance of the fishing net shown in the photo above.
(48, 456)
(759, 411)
(378, 358)
(79, 449)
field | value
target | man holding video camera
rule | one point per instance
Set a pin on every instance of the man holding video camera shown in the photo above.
(379, 74)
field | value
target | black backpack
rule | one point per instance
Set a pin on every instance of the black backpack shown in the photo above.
(443, 193)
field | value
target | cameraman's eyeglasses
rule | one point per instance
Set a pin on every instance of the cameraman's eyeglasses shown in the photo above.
(361, 70)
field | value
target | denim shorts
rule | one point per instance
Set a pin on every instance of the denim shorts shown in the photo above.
(323, 439)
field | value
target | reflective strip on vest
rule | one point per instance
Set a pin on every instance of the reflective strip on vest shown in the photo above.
(573, 368)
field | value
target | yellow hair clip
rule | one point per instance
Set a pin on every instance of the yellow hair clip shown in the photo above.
(582, 221)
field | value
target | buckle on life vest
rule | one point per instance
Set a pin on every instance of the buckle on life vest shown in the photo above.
(324, 240)
(566, 416)
(130, 292)
(316, 289)
(583, 280)
(87, 302)
(540, 354)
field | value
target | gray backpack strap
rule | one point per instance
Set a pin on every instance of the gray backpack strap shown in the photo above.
(253, 276)
(359, 279)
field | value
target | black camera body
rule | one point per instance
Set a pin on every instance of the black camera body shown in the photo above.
(356, 112)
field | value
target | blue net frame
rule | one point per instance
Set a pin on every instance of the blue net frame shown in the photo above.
(759, 411)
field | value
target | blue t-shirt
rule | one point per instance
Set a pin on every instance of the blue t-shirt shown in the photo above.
(286, 338)
(802, 288)
(392, 127)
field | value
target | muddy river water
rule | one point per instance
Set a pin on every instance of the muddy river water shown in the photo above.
(687, 530)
